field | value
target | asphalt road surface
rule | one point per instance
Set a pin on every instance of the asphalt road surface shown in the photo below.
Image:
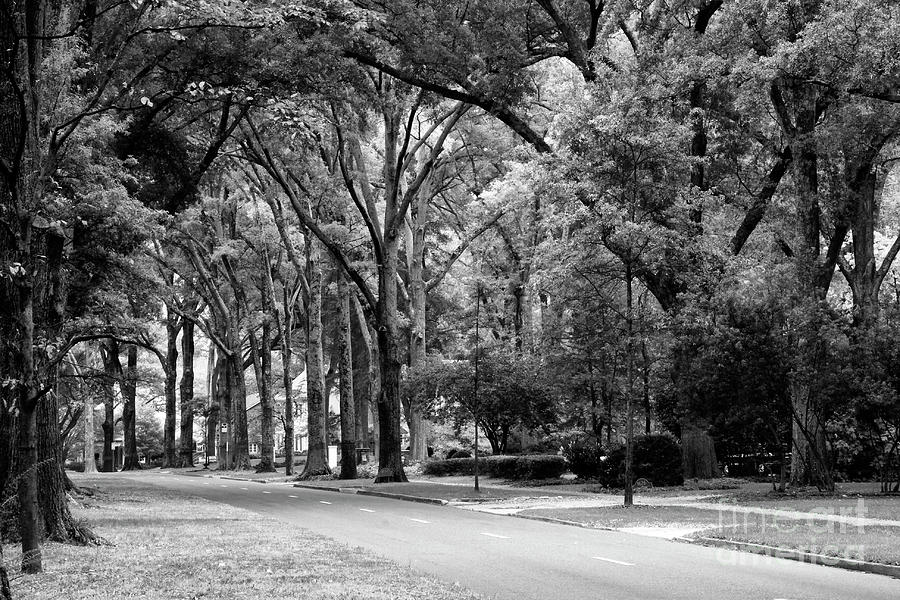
(517, 559)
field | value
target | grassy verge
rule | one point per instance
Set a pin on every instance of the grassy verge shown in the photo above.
(167, 545)
(871, 507)
(869, 543)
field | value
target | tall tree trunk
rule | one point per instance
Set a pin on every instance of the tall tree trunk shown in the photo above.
(390, 464)
(128, 385)
(170, 371)
(418, 425)
(90, 465)
(240, 454)
(348, 408)
(286, 357)
(364, 370)
(261, 353)
(30, 525)
(317, 404)
(57, 521)
(186, 390)
(212, 405)
(223, 396)
(810, 456)
(111, 375)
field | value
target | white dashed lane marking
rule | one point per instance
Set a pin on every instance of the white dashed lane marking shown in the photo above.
(267, 492)
(614, 561)
(245, 489)
(320, 501)
(494, 535)
(367, 510)
(222, 485)
(292, 496)
(419, 520)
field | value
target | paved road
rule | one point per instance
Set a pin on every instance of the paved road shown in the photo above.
(508, 558)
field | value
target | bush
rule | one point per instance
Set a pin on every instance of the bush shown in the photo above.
(538, 466)
(585, 455)
(657, 458)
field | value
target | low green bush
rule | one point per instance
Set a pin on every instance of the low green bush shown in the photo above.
(537, 466)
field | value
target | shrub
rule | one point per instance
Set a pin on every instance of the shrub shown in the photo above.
(585, 455)
(657, 458)
(537, 466)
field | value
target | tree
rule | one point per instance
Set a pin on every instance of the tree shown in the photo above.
(513, 393)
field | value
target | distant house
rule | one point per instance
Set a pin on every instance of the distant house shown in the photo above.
(301, 438)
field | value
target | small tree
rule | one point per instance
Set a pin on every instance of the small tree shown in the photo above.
(513, 392)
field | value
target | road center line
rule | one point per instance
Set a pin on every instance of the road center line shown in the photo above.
(614, 561)
(419, 520)
(320, 501)
(364, 509)
(494, 535)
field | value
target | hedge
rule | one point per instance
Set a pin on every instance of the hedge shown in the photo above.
(536, 466)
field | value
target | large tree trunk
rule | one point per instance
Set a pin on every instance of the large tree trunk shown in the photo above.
(364, 375)
(186, 390)
(58, 524)
(238, 400)
(170, 371)
(390, 462)
(317, 404)
(108, 350)
(128, 385)
(809, 457)
(90, 465)
(418, 425)
(212, 405)
(348, 408)
(223, 448)
(30, 525)
(286, 357)
(261, 353)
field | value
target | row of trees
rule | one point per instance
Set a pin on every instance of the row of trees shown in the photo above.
(672, 210)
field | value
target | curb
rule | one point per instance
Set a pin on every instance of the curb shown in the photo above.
(366, 492)
(237, 478)
(799, 556)
(420, 499)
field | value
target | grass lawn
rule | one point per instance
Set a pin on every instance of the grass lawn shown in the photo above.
(872, 543)
(167, 545)
(871, 507)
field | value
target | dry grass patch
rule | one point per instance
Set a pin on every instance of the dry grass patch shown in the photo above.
(170, 546)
